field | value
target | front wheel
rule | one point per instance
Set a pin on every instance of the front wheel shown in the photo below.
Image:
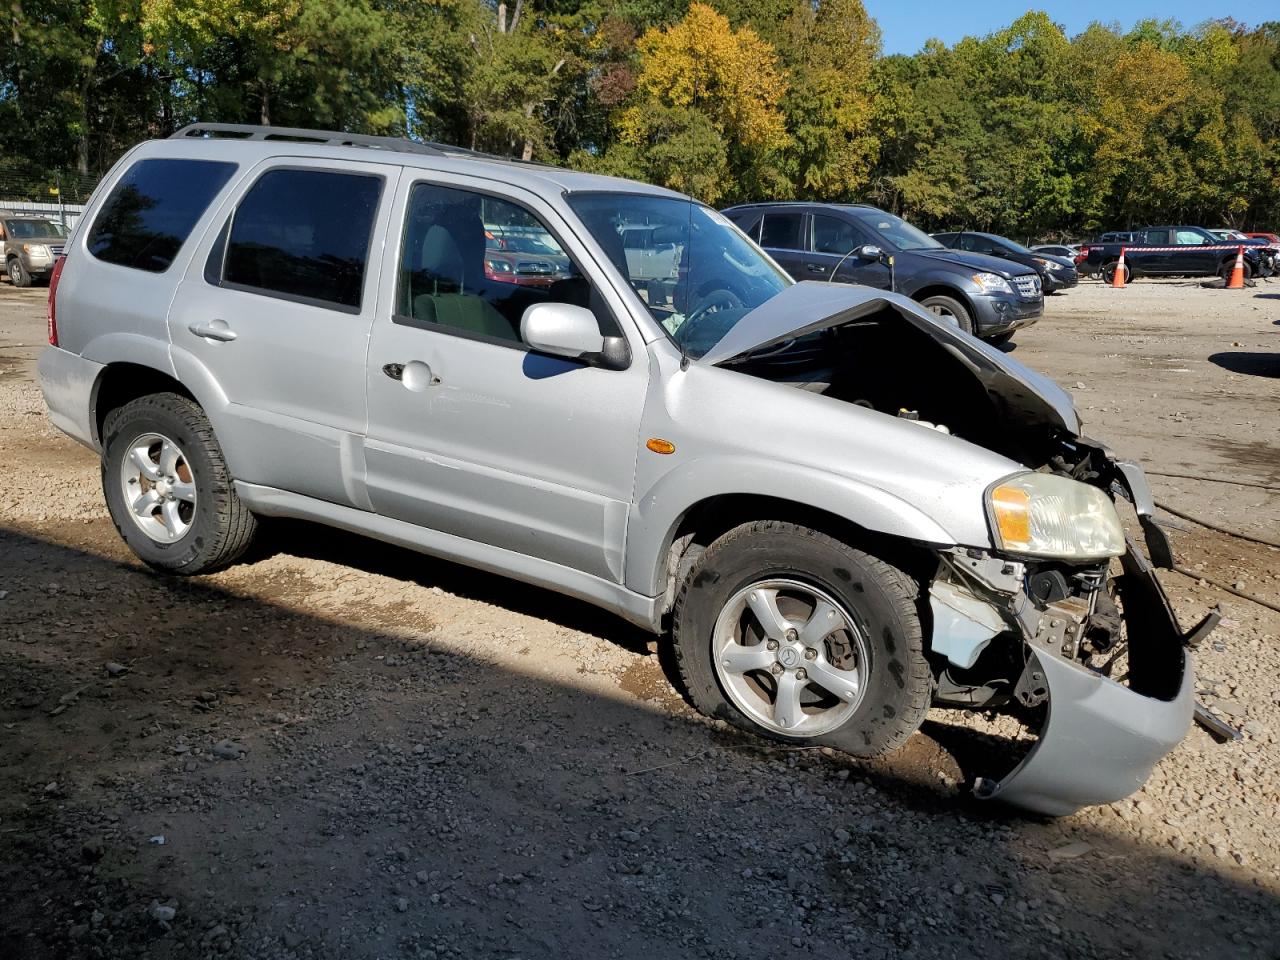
(949, 308)
(168, 489)
(793, 635)
(1225, 270)
(18, 275)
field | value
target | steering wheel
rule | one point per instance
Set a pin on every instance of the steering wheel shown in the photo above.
(713, 302)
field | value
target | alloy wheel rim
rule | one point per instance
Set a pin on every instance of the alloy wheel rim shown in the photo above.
(790, 657)
(159, 487)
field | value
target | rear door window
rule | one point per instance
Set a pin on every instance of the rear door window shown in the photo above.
(152, 210)
(781, 231)
(1158, 238)
(304, 234)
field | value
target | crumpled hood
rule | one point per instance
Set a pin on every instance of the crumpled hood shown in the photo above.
(809, 306)
(975, 261)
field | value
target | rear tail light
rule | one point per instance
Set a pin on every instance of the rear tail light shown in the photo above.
(53, 299)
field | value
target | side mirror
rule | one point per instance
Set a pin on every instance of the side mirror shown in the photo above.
(870, 252)
(564, 330)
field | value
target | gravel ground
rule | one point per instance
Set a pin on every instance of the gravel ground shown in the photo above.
(342, 749)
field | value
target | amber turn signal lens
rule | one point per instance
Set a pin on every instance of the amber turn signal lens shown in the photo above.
(1009, 505)
(658, 445)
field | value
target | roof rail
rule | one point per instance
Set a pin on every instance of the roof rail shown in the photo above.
(249, 131)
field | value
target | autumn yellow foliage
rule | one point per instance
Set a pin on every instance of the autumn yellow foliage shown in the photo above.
(701, 62)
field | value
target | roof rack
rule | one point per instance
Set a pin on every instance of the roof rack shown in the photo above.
(249, 131)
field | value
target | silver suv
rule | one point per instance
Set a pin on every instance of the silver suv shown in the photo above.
(839, 507)
(29, 247)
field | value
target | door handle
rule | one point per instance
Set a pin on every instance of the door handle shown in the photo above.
(216, 330)
(815, 268)
(414, 375)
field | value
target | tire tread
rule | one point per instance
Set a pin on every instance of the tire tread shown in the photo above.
(902, 591)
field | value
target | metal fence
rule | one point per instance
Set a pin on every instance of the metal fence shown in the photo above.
(58, 195)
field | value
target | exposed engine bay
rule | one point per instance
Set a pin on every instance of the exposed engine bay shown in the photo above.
(1089, 651)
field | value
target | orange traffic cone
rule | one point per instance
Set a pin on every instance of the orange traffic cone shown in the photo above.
(1237, 272)
(1117, 278)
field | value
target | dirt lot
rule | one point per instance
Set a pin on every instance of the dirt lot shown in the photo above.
(342, 749)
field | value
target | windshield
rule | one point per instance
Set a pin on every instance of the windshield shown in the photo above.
(707, 275)
(25, 229)
(894, 232)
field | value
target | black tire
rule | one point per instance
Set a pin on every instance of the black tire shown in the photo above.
(1228, 265)
(950, 305)
(1109, 272)
(221, 526)
(18, 275)
(881, 599)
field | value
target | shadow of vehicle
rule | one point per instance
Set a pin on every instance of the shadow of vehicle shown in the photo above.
(389, 793)
(1249, 364)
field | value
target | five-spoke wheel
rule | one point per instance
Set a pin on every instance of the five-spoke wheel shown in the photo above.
(790, 657)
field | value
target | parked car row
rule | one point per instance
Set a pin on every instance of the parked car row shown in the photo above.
(1181, 250)
(984, 294)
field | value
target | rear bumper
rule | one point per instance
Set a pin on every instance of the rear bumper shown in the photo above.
(68, 381)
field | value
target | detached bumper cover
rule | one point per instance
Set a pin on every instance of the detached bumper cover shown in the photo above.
(1101, 739)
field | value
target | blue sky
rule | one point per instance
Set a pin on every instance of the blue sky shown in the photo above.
(907, 24)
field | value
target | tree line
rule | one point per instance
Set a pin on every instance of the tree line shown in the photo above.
(1027, 131)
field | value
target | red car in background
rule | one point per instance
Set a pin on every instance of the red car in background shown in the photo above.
(1271, 238)
(523, 260)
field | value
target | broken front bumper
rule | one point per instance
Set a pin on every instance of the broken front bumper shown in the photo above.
(1101, 739)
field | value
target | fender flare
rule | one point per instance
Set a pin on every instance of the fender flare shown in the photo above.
(179, 365)
(658, 512)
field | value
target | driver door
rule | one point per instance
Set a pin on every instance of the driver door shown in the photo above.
(834, 240)
(472, 434)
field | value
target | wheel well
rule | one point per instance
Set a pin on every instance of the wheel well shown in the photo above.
(706, 521)
(938, 290)
(121, 383)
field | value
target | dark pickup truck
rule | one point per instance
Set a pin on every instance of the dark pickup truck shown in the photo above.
(1175, 251)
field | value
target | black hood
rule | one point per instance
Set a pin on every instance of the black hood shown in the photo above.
(974, 261)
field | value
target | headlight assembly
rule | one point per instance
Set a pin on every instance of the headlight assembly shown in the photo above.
(992, 283)
(1044, 515)
(37, 251)
(1048, 264)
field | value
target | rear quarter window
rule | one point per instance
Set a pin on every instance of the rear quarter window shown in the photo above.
(152, 209)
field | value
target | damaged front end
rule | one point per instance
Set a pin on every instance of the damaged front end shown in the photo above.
(1100, 657)
(1096, 651)
(1084, 641)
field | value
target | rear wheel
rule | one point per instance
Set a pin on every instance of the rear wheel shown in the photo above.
(793, 635)
(949, 308)
(18, 275)
(1109, 272)
(168, 489)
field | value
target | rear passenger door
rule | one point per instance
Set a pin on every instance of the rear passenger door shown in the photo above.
(274, 315)
(472, 434)
(783, 235)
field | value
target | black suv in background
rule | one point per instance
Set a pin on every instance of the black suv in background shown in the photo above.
(1056, 273)
(855, 243)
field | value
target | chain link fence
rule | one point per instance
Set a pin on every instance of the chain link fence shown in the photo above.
(57, 195)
